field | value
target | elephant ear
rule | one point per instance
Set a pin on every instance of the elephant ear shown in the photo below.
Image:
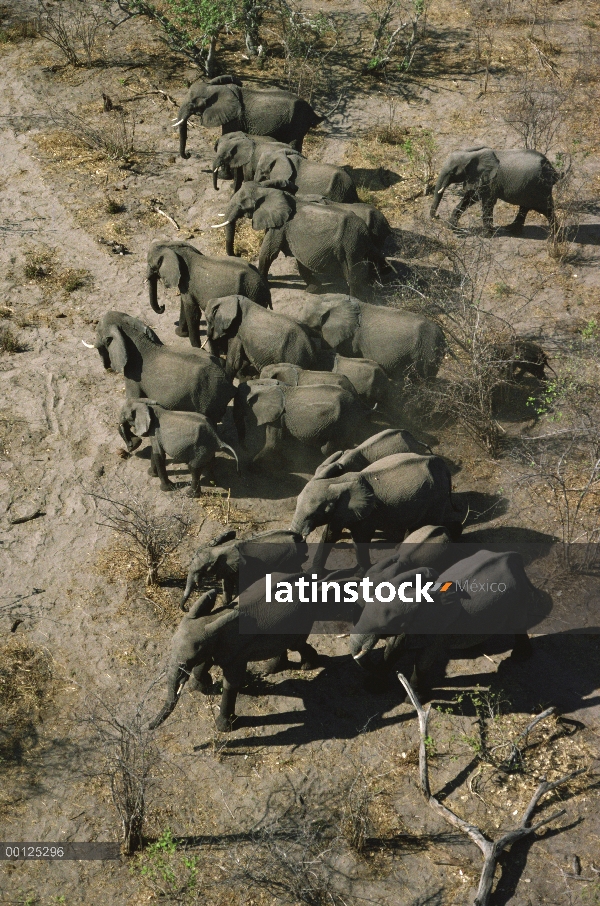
(117, 351)
(239, 153)
(330, 466)
(203, 606)
(483, 168)
(222, 539)
(273, 211)
(223, 104)
(275, 165)
(356, 499)
(142, 419)
(340, 323)
(220, 315)
(267, 401)
(170, 268)
(226, 80)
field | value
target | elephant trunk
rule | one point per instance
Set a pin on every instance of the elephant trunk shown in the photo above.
(189, 587)
(131, 441)
(183, 132)
(153, 292)
(440, 187)
(176, 682)
(216, 166)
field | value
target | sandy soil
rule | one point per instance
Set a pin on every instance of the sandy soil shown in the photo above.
(81, 597)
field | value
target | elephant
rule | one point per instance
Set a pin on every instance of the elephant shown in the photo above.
(255, 337)
(268, 111)
(275, 551)
(207, 637)
(310, 177)
(520, 177)
(192, 381)
(183, 436)
(490, 593)
(316, 414)
(403, 343)
(386, 443)
(376, 222)
(367, 377)
(294, 376)
(325, 241)
(237, 156)
(396, 495)
(199, 279)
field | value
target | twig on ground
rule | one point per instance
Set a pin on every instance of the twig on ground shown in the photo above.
(491, 849)
(154, 207)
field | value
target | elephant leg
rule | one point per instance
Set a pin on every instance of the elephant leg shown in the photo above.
(312, 284)
(468, 199)
(516, 227)
(522, 649)
(152, 467)
(274, 435)
(195, 487)
(201, 679)
(230, 589)
(160, 464)
(226, 715)
(182, 327)
(192, 317)
(361, 540)
(270, 248)
(230, 239)
(423, 664)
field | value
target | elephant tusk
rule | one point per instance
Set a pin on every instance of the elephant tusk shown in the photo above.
(178, 122)
(216, 170)
(88, 345)
(216, 226)
(358, 656)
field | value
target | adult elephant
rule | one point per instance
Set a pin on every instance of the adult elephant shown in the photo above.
(239, 562)
(257, 111)
(310, 177)
(237, 156)
(294, 376)
(318, 415)
(192, 381)
(395, 495)
(490, 593)
(326, 242)
(401, 342)
(207, 637)
(377, 223)
(255, 337)
(520, 177)
(199, 279)
(378, 446)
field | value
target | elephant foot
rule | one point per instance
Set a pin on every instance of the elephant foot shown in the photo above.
(167, 486)
(194, 492)
(225, 724)
(181, 332)
(152, 472)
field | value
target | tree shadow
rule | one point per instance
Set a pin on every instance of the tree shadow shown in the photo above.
(479, 506)
(375, 180)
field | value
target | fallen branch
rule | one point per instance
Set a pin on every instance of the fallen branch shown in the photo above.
(154, 207)
(18, 520)
(491, 849)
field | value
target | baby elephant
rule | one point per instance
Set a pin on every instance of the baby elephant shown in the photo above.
(518, 357)
(183, 436)
(278, 550)
(386, 443)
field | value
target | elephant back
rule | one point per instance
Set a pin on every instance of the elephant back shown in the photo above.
(314, 410)
(389, 442)
(257, 615)
(495, 592)
(415, 490)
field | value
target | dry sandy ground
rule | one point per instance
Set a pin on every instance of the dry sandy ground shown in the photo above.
(82, 600)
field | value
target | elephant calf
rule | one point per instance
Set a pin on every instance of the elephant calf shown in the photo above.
(294, 376)
(183, 436)
(516, 358)
(319, 415)
(206, 638)
(386, 443)
(274, 551)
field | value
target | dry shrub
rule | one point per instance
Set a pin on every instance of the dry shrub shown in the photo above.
(113, 135)
(76, 29)
(26, 678)
(10, 341)
(42, 267)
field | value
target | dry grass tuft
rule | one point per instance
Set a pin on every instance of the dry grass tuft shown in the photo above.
(26, 678)
(247, 240)
(42, 267)
(10, 341)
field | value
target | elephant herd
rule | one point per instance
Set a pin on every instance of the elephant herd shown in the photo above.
(317, 374)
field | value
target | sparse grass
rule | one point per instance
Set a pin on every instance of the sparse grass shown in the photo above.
(112, 206)
(247, 240)
(10, 341)
(42, 267)
(25, 686)
(112, 135)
